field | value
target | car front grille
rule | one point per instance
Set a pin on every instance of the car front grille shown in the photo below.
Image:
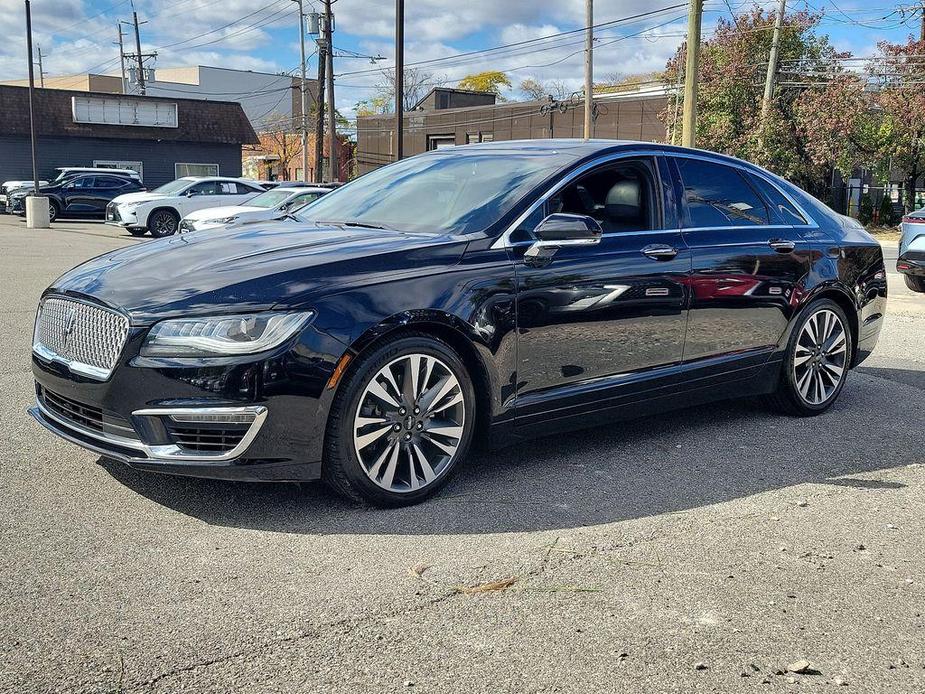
(86, 337)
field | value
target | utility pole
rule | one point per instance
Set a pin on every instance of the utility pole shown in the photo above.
(304, 94)
(399, 77)
(922, 28)
(38, 50)
(332, 112)
(121, 56)
(319, 112)
(141, 68)
(35, 169)
(589, 69)
(692, 74)
(772, 65)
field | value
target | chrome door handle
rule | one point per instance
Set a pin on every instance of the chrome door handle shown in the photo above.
(782, 245)
(659, 251)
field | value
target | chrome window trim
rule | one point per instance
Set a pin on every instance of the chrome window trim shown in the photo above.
(810, 221)
(77, 367)
(171, 452)
(504, 241)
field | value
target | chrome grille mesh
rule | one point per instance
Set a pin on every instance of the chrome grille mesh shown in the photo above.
(89, 338)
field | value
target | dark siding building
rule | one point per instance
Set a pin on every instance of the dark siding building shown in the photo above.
(165, 138)
(630, 116)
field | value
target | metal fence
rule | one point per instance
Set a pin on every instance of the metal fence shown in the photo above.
(848, 198)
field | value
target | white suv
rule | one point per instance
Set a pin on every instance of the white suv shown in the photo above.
(160, 210)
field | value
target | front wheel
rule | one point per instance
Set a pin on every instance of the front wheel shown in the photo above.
(916, 284)
(163, 223)
(53, 211)
(400, 423)
(817, 360)
(137, 231)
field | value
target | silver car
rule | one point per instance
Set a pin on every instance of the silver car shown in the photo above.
(911, 262)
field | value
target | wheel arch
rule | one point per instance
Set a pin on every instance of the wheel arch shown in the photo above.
(162, 208)
(841, 296)
(452, 330)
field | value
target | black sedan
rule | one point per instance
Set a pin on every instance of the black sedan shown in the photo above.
(77, 196)
(487, 293)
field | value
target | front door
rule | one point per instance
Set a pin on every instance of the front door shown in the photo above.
(747, 265)
(597, 321)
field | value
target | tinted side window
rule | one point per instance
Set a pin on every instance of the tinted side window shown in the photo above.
(83, 182)
(109, 183)
(207, 188)
(785, 209)
(622, 197)
(719, 196)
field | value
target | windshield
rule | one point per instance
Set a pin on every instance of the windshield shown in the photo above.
(271, 198)
(173, 186)
(436, 192)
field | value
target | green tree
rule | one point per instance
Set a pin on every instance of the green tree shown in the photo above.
(865, 209)
(490, 81)
(732, 68)
(885, 216)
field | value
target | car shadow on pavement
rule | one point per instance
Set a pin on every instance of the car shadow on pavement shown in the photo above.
(623, 470)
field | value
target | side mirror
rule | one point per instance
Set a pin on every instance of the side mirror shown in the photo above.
(559, 230)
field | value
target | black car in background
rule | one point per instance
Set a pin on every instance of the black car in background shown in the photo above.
(81, 195)
(493, 292)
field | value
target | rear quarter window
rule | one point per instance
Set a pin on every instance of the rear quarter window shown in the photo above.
(785, 209)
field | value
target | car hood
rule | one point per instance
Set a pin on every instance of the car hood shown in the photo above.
(276, 264)
(219, 212)
(141, 196)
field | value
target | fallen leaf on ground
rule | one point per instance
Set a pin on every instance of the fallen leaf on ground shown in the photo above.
(500, 584)
(418, 570)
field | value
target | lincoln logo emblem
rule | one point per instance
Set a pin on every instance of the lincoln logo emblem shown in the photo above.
(69, 327)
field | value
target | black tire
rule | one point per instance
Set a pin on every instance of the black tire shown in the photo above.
(163, 223)
(136, 231)
(342, 469)
(788, 398)
(53, 211)
(916, 284)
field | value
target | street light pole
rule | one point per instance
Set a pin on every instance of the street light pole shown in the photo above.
(304, 94)
(399, 76)
(36, 206)
(589, 68)
(332, 113)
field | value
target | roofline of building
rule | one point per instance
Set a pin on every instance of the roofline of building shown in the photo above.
(119, 95)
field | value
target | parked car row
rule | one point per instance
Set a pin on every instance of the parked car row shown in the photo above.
(75, 192)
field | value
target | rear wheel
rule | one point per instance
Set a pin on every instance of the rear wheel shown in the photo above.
(400, 424)
(163, 223)
(916, 284)
(817, 360)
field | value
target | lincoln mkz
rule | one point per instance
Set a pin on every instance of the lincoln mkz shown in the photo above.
(486, 293)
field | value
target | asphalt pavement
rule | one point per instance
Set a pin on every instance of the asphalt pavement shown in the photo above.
(698, 551)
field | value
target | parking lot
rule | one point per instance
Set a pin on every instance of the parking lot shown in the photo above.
(704, 551)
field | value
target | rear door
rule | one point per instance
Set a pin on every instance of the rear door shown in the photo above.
(748, 268)
(105, 189)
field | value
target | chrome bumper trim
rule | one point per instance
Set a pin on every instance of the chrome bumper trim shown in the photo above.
(155, 453)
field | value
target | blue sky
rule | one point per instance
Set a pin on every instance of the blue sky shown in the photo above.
(78, 35)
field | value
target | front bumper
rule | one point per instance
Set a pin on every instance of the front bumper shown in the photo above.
(117, 215)
(129, 417)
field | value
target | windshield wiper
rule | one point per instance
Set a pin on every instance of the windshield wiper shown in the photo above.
(354, 223)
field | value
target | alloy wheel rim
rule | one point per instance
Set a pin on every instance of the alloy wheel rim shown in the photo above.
(409, 423)
(819, 357)
(163, 222)
(52, 213)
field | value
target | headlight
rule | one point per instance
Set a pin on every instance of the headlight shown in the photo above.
(223, 220)
(222, 335)
(130, 205)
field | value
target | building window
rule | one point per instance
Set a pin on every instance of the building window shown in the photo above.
(479, 137)
(440, 141)
(182, 169)
(472, 138)
(488, 137)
